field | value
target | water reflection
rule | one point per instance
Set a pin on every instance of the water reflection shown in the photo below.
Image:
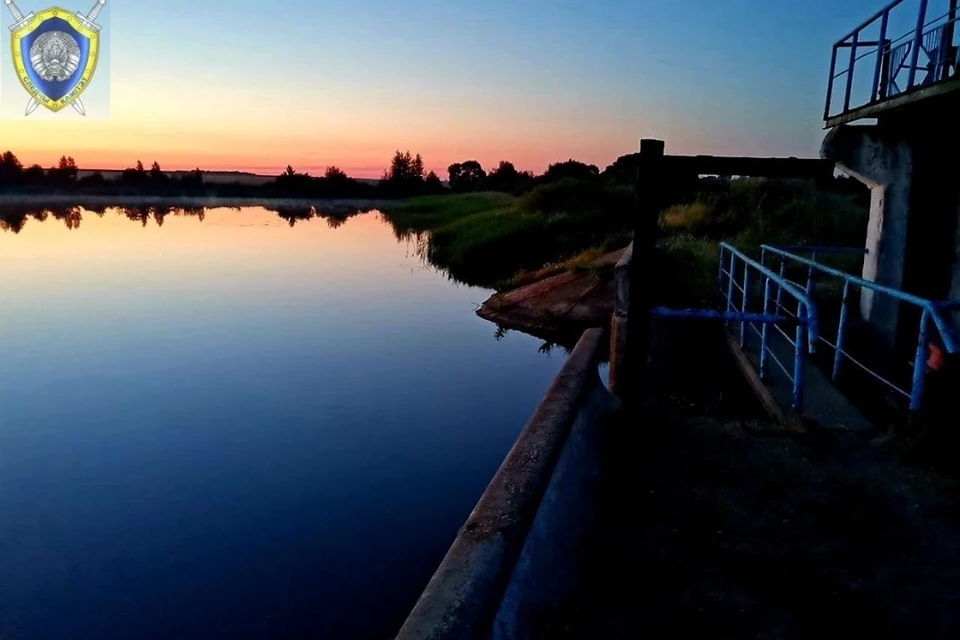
(235, 429)
(13, 218)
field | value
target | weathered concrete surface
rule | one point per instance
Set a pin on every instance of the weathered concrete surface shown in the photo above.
(559, 308)
(913, 238)
(824, 404)
(883, 161)
(547, 570)
(496, 565)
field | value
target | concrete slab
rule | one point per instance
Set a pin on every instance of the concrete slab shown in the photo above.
(559, 308)
(824, 404)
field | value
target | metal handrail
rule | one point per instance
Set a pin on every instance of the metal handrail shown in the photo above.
(806, 318)
(931, 314)
(933, 307)
(815, 249)
(909, 45)
(805, 301)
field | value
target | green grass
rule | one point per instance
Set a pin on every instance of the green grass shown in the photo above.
(501, 241)
(430, 212)
(687, 272)
(486, 239)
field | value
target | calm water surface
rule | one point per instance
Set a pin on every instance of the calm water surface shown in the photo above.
(235, 428)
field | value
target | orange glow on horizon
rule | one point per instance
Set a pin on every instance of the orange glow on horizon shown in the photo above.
(310, 140)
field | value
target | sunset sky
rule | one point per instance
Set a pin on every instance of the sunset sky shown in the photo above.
(255, 85)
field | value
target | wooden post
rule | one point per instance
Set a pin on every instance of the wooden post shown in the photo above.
(642, 267)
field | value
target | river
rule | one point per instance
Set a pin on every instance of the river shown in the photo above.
(224, 423)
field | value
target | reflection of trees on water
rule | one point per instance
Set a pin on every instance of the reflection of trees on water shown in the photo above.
(71, 216)
(14, 218)
(13, 221)
(334, 220)
(417, 242)
(295, 214)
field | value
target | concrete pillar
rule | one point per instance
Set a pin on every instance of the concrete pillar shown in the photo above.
(883, 161)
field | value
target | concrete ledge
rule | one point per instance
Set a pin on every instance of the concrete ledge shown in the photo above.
(467, 592)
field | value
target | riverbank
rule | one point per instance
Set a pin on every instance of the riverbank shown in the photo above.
(501, 241)
(559, 308)
(489, 239)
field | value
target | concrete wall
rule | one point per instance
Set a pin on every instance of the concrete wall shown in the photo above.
(511, 562)
(913, 238)
(883, 161)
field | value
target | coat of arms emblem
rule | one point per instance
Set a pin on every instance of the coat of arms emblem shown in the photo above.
(55, 54)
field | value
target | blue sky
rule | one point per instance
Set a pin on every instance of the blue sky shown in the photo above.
(537, 80)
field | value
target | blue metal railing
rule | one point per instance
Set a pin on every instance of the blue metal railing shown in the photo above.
(733, 265)
(932, 314)
(924, 53)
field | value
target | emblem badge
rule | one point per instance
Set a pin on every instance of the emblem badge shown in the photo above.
(55, 54)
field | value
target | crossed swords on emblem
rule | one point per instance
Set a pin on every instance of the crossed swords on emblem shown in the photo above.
(89, 21)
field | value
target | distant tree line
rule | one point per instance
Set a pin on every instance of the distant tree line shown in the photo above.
(564, 185)
(406, 176)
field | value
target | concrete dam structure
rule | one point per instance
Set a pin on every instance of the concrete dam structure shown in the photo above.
(892, 98)
(894, 85)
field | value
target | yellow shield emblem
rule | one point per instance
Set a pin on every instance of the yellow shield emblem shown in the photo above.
(55, 56)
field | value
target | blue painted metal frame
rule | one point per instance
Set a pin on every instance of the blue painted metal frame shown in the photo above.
(806, 334)
(931, 314)
(710, 314)
(893, 55)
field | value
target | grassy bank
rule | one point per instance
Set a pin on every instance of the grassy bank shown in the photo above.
(498, 240)
(487, 239)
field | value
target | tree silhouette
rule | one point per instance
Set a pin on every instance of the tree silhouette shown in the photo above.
(404, 177)
(34, 174)
(335, 174)
(135, 175)
(466, 176)
(432, 184)
(65, 172)
(156, 173)
(507, 179)
(571, 169)
(10, 168)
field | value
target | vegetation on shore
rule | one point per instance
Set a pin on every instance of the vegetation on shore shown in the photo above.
(502, 240)
(487, 239)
